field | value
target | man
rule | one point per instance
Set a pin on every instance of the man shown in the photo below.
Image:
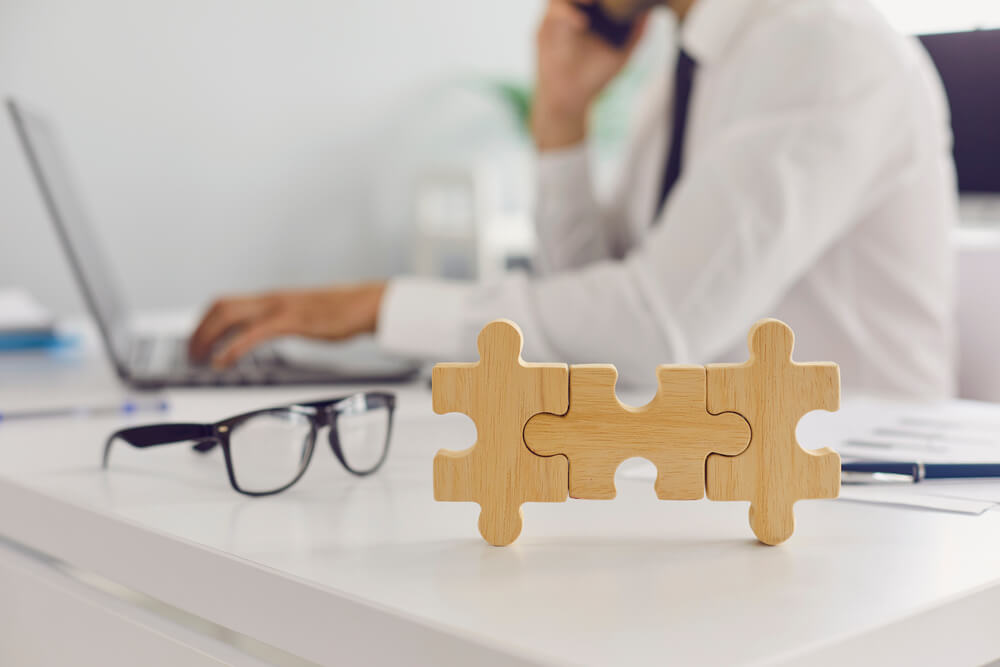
(795, 162)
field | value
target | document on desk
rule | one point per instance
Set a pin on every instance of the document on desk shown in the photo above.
(880, 430)
(942, 432)
(20, 314)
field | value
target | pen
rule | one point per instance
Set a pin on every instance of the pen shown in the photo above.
(914, 471)
(125, 408)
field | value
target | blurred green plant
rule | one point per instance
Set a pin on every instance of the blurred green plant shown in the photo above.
(611, 114)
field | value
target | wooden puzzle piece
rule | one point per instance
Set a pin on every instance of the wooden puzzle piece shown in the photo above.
(500, 393)
(773, 392)
(674, 431)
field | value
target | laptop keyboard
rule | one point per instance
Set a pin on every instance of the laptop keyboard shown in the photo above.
(168, 358)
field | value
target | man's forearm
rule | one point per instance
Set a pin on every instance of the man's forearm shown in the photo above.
(553, 128)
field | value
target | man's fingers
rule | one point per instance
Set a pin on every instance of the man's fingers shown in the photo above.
(221, 318)
(252, 336)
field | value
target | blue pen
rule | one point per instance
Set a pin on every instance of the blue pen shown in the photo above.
(915, 471)
(127, 407)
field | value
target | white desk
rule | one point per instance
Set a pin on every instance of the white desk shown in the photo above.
(340, 570)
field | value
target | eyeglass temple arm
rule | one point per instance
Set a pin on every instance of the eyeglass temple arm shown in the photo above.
(162, 434)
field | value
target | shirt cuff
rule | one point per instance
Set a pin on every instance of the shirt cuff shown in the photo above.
(564, 169)
(419, 318)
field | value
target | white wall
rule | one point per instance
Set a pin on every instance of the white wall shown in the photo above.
(230, 144)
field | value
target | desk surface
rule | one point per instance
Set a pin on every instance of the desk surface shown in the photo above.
(373, 569)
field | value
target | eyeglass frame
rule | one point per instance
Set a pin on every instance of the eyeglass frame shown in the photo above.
(206, 436)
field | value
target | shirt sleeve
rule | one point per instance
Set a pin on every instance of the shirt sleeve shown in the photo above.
(573, 227)
(757, 206)
(576, 227)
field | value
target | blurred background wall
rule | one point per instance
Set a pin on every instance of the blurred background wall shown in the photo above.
(225, 145)
(230, 145)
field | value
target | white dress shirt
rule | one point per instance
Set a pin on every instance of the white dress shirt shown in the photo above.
(817, 187)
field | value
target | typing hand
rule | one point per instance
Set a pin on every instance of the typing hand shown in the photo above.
(232, 326)
(574, 65)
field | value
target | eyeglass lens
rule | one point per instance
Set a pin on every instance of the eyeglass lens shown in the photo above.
(363, 436)
(270, 450)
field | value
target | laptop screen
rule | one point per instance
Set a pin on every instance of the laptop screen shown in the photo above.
(73, 228)
(969, 64)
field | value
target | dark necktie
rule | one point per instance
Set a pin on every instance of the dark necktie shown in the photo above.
(683, 79)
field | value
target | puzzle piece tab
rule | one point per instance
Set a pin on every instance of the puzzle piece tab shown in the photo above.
(772, 393)
(674, 431)
(500, 393)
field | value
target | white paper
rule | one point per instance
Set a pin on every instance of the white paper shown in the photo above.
(943, 432)
(940, 432)
(874, 429)
(19, 313)
(979, 489)
(909, 495)
(949, 497)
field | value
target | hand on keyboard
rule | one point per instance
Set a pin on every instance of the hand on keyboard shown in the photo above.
(234, 326)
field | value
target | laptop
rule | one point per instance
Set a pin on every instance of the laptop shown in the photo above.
(160, 360)
(969, 65)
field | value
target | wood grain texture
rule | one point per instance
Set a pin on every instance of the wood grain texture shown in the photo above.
(500, 393)
(674, 431)
(772, 392)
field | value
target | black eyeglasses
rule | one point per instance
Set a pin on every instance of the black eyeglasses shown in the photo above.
(267, 451)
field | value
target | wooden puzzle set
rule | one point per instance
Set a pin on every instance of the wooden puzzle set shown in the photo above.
(545, 431)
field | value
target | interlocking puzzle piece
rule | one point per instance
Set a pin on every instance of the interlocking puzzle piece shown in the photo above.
(500, 393)
(772, 393)
(674, 431)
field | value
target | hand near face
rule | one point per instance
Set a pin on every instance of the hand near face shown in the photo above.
(574, 66)
(242, 322)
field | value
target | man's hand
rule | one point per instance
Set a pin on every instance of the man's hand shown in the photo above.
(574, 65)
(331, 314)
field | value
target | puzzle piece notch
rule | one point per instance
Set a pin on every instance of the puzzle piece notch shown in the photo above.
(772, 392)
(500, 393)
(674, 431)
